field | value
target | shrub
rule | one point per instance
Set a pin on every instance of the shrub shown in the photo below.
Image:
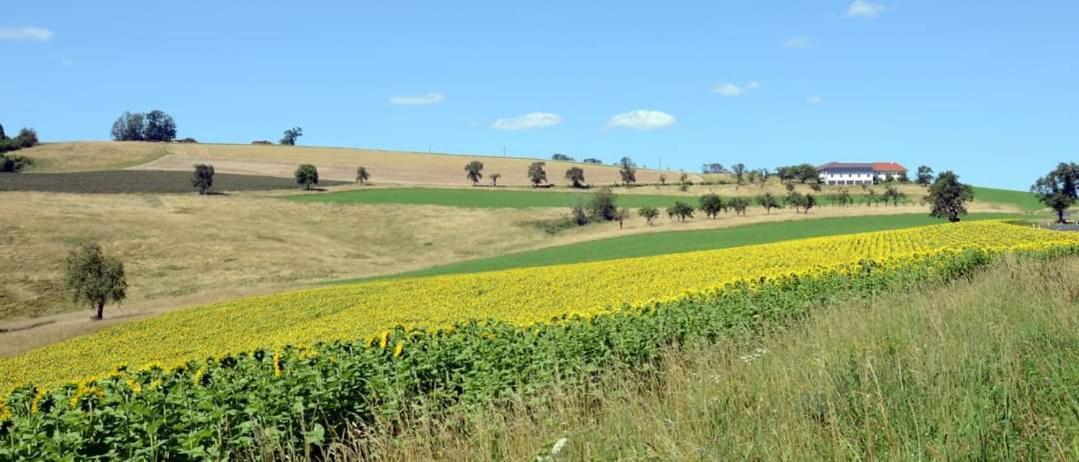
(768, 201)
(739, 204)
(602, 205)
(681, 210)
(261, 142)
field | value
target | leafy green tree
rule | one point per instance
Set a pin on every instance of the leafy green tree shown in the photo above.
(739, 170)
(306, 175)
(808, 201)
(628, 171)
(603, 205)
(925, 176)
(681, 210)
(893, 195)
(536, 173)
(768, 201)
(948, 197)
(159, 127)
(649, 214)
(474, 171)
(711, 205)
(561, 157)
(291, 135)
(576, 176)
(739, 204)
(1059, 189)
(128, 127)
(494, 179)
(578, 215)
(844, 199)
(203, 178)
(361, 175)
(95, 278)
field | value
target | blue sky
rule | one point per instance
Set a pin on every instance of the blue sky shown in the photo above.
(989, 89)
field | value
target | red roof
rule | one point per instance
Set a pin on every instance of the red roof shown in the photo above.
(888, 167)
(882, 167)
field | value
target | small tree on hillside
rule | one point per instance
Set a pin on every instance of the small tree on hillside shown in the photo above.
(494, 179)
(892, 194)
(925, 176)
(762, 177)
(361, 175)
(536, 173)
(809, 201)
(306, 175)
(603, 206)
(628, 171)
(202, 178)
(291, 135)
(949, 197)
(768, 201)
(474, 171)
(739, 171)
(711, 205)
(649, 214)
(870, 197)
(663, 179)
(561, 157)
(844, 199)
(739, 204)
(94, 278)
(681, 210)
(1059, 189)
(576, 176)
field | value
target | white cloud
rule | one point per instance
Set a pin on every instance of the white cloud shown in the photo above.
(799, 42)
(815, 99)
(419, 100)
(865, 9)
(25, 33)
(730, 89)
(527, 121)
(642, 119)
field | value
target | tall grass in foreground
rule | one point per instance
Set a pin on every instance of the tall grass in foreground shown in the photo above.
(985, 368)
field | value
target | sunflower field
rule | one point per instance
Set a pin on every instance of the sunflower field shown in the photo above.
(299, 367)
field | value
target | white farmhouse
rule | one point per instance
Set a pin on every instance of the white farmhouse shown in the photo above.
(853, 173)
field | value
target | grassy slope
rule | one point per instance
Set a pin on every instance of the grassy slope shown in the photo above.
(686, 241)
(497, 198)
(135, 181)
(982, 369)
(1021, 199)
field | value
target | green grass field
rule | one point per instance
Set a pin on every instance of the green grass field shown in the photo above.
(501, 198)
(1021, 199)
(642, 245)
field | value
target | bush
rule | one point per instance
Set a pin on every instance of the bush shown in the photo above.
(578, 215)
(739, 204)
(188, 140)
(261, 142)
(602, 205)
(11, 163)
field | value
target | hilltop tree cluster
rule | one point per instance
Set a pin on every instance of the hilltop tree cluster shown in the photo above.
(12, 163)
(155, 125)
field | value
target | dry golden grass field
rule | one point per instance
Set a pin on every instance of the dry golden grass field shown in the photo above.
(394, 167)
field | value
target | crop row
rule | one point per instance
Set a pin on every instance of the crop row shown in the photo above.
(305, 397)
(519, 297)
